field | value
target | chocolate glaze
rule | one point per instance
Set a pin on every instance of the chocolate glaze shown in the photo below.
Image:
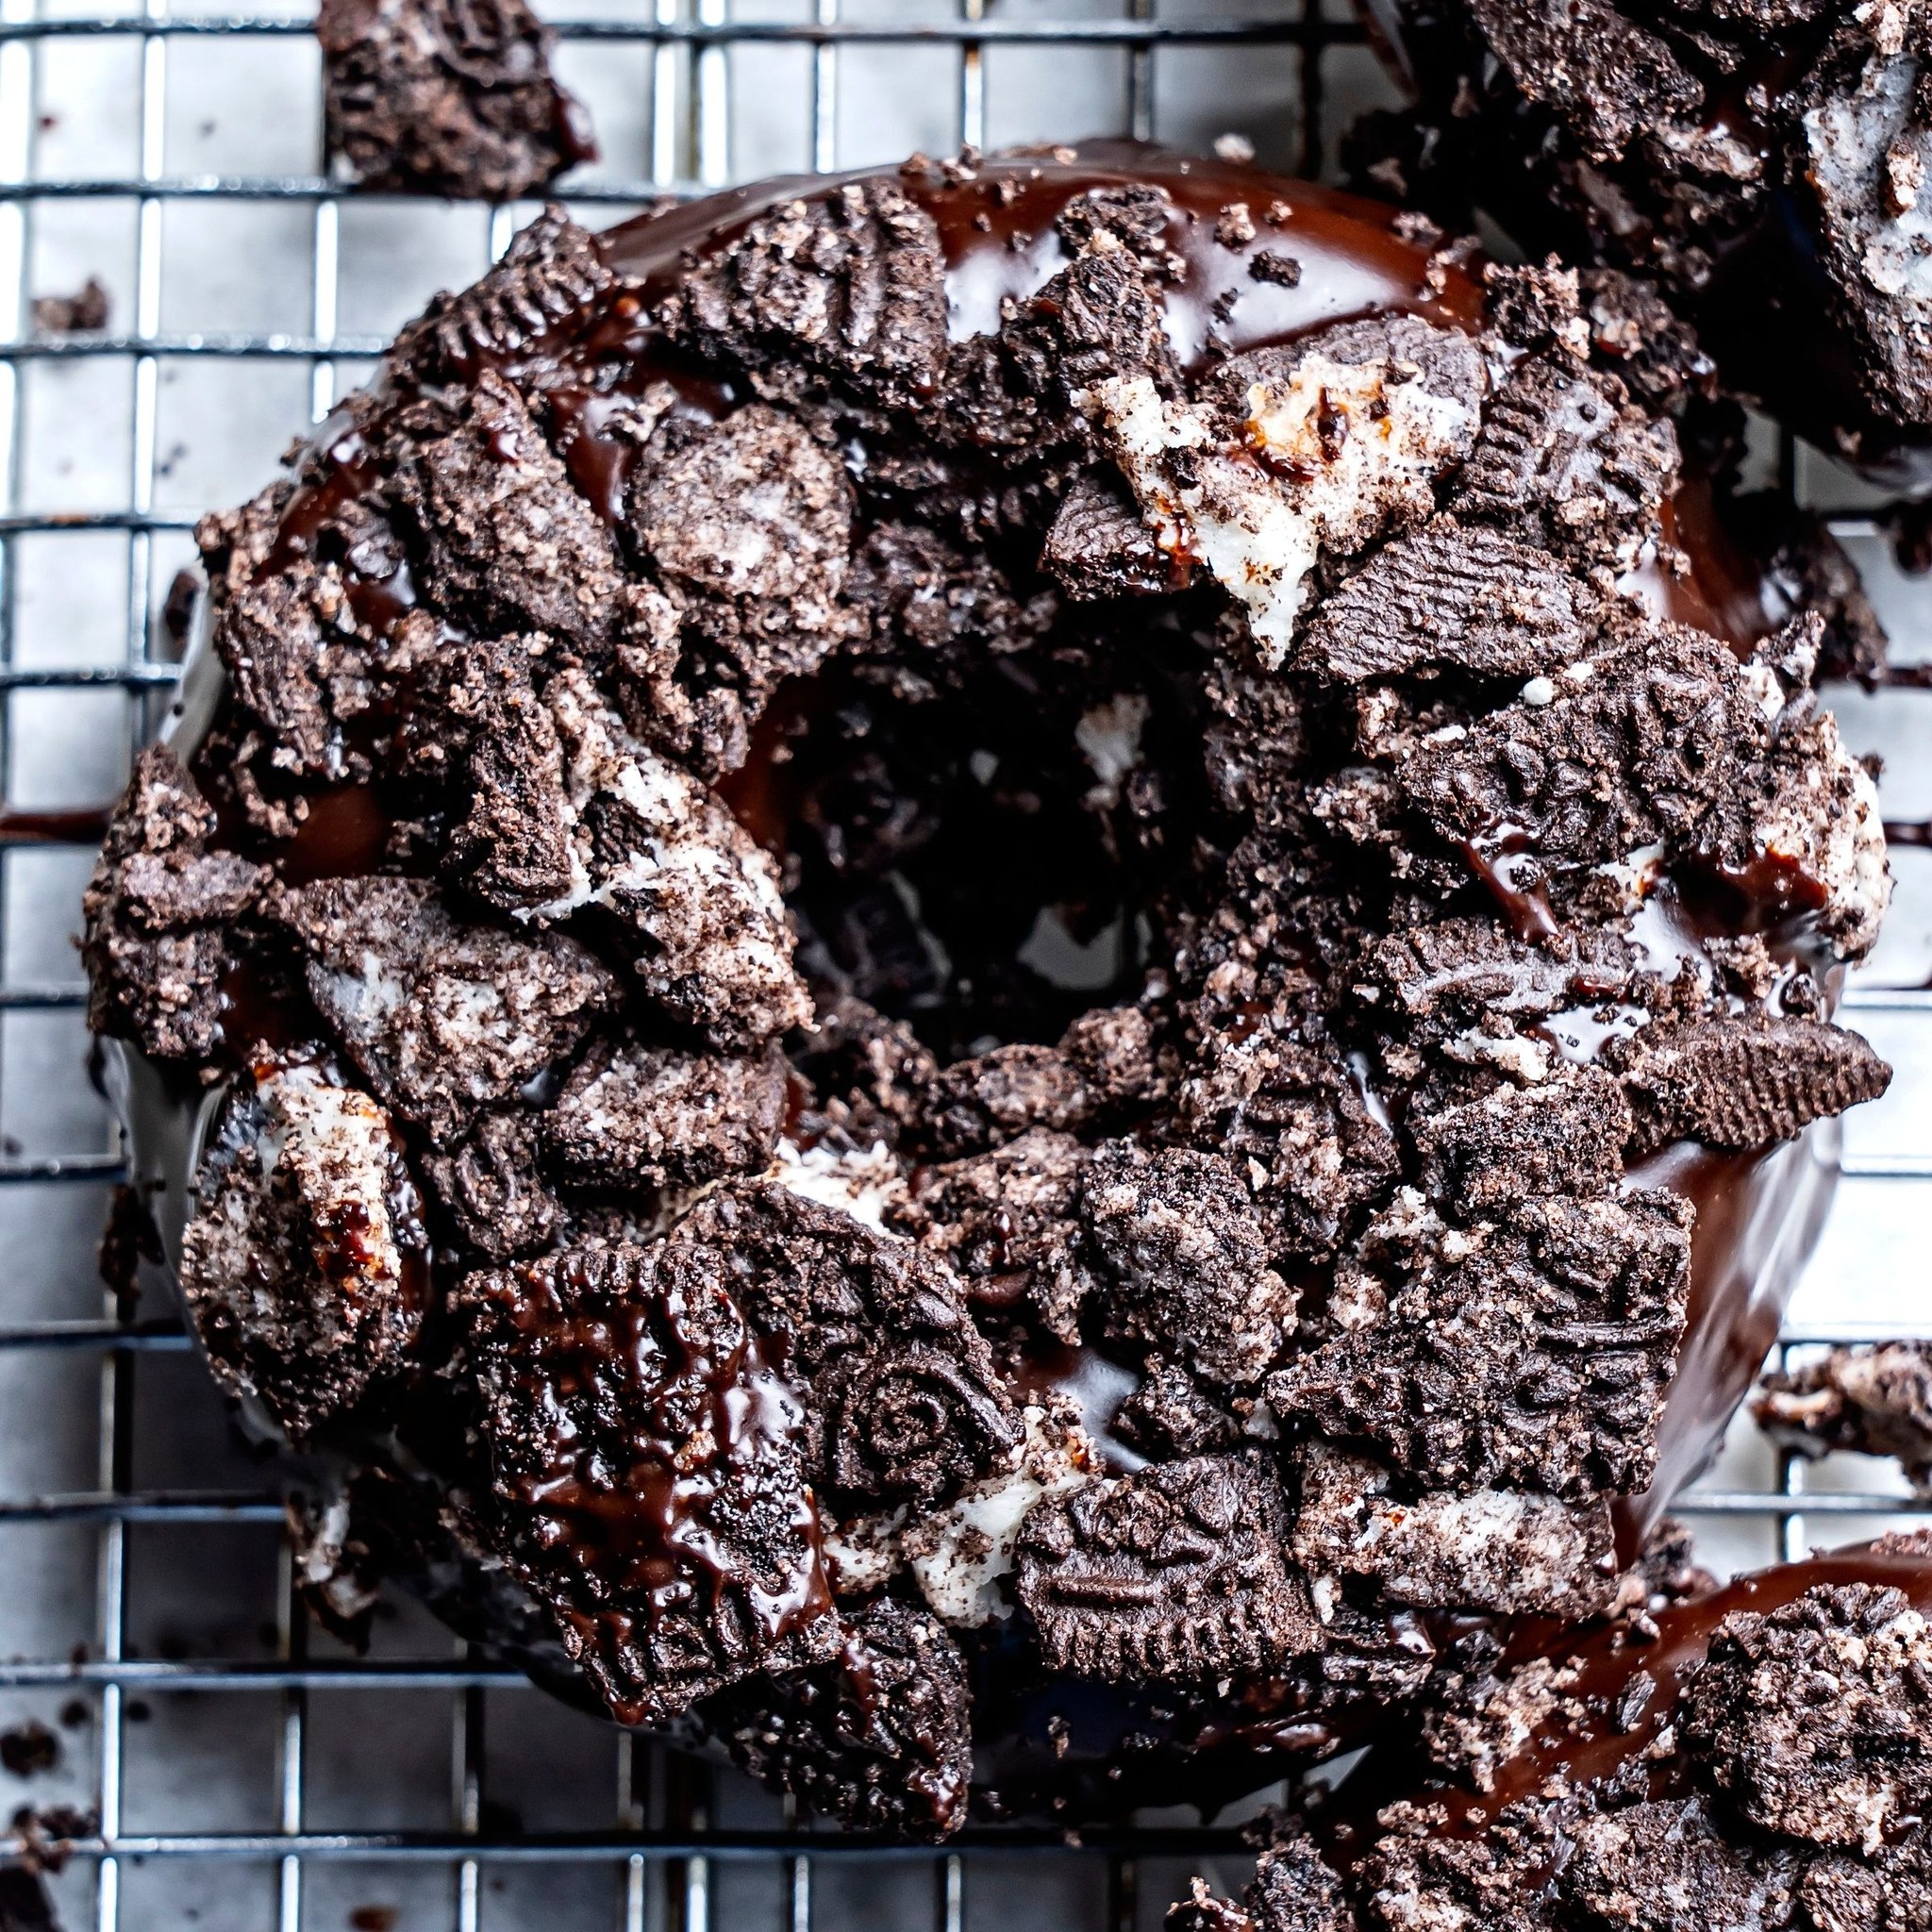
(1756, 1213)
(1623, 1699)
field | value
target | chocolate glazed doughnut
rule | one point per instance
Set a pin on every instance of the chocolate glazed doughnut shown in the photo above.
(989, 960)
(1763, 164)
(1756, 1756)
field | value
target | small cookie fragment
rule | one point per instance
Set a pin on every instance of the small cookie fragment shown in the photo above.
(79, 313)
(847, 290)
(1101, 546)
(902, 1400)
(1506, 1551)
(442, 97)
(1564, 1135)
(632, 1115)
(506, 542)
(879, 1738)
(1735, 1083)
(1872, 1400)
(1530, 1353)
(1170, 1575)
(304, 1261)
(1815, 1719)
(1455, 596)
(158, 914)
(1565, 455)
(1665, 1864)
(648, 1471)
(1178, 1233)
(494, 1187)
(444, 1019)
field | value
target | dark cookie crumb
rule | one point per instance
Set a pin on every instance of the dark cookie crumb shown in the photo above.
(77, 314)
(878, 1738)
(1173, 1575)
(434, 97)
(598, 1378)
(1873, 1401)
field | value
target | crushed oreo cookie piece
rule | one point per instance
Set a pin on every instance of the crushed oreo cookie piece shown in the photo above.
(877, 1738)
(1733, 1084)
(1873, 1401)
(903, 1403)
(847, 289)
(444, 1019)
(1815, 1720)
(1101, 546)
(493, 1184)
(304, 1259)
(632, 1115)
(1564, 1135)
(446, 97)
(1533, 1354)
(1173, 1575)
(1179, 1237)
(159, 913)
(649, 1476)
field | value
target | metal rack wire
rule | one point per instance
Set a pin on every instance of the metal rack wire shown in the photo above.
(662, 1836)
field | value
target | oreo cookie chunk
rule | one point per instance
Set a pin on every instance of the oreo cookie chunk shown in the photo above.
(1873, 1401)
(967, 992)
(445, 98)
(1760, 1756)
(1764, 164)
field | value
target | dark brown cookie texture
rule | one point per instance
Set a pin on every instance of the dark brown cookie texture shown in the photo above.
(965, 990)
(877, 1738)
(1735, 153)
(1751, 1758)
(447, 98)
(1176, 1573)
(649, 1471)
(904, 1402)
(1873, 1401)
(1816, 1720)
(159, 914)
(306, 1266)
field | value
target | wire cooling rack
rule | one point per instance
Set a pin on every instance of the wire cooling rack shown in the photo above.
(219, 1764)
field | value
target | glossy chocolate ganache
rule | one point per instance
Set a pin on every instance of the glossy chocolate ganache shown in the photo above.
(965, 971)
(1755, 1759)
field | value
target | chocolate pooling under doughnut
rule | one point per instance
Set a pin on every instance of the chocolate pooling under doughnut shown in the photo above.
(945, 985)
(1756, 1756)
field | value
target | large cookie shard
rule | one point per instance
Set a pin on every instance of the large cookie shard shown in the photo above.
(158, 913)
(444, 1019)
(445, 98)
(1098, 321)
(1815, 1719)
(1666, 1863)
(505, 542)
(304, 1262)
(880, 1738)
(697, 901)
(1008, 1223)
(849, 288)
(1175, 1573)
(1866, 143)
(1611, 79)
(1453, 596)
(1566, 457)
(1744, 1083)
(1289, 1115)
(752, 506)
(1501, 1550)
(551, 276)
(903, 1403)
(1341, 441)
(1873, 1401)
(1178, 1233)
(1564, 1135)
(648, 1477)
(634, 1115)
(1650, 741)
(1532, 1353)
